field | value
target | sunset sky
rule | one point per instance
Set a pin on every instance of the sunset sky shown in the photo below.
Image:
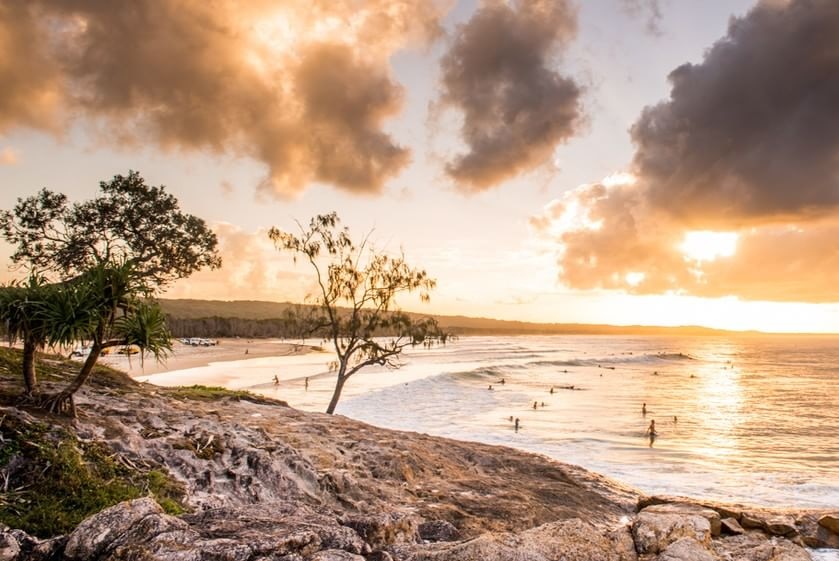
(664, 162)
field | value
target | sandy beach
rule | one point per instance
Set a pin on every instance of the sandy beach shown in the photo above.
(187, 356)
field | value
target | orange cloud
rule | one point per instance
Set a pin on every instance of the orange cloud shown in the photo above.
(303, 86)
(8, 157)
(746, 144)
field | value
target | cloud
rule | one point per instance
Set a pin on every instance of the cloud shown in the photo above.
(752, 133)
(303, 86)
(252, 266)
(499, 74)
(9, 157)
(649, 8)
(748, 143)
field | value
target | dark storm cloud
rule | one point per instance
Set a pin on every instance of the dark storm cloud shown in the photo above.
(221, 76)
(747, 143)
(499, 73)
(752, 132)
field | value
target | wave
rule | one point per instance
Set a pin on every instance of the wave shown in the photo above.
(651, 358)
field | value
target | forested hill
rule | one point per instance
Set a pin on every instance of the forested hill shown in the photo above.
(249, 318)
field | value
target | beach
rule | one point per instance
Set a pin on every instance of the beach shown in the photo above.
(185, 357)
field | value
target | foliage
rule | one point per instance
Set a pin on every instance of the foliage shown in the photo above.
(128, 221)
(54, 480)
(107, 257)
(355, 308)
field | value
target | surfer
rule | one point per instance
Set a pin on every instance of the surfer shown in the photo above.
(502, 381)
(276, 380)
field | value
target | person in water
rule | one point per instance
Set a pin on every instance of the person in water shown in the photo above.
(306, 383)
(535, 404)
(490, 387)
(517, 424)
(651, 430)
(552, 390)
(644, 409)
(502, 381)
(276, 380)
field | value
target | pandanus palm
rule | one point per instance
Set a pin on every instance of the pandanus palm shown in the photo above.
(112, 311)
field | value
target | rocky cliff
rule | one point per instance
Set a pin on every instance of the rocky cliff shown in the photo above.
(263, 481)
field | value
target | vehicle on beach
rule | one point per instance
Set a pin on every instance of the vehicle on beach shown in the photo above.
(199, 342)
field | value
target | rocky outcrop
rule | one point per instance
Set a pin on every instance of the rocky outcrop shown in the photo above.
(266, 482)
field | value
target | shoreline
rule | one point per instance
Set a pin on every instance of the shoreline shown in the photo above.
(185, 357)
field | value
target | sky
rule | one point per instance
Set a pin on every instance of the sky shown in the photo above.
(657, 162)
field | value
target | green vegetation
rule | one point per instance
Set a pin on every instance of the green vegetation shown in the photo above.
(54, 480)
(355, 307)
(95, 267)
(215, 393)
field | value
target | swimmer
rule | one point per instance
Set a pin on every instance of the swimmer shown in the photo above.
(543, 404)
(502, 381)
(552, 390)
(535, 404)
(490, 387)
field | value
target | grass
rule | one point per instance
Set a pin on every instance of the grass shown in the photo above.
(215, 393)
(56, 480)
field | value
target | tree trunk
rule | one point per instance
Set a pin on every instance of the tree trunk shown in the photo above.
(62, 403)
(336, 395)
(84, 373)
(30, 381)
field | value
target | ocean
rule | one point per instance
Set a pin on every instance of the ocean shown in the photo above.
(742, 419)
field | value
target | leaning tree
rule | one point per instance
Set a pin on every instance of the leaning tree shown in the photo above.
(112, 254)
(355, 307)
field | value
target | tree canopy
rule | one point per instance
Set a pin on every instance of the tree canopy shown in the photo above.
(128, 221)
(355, 307)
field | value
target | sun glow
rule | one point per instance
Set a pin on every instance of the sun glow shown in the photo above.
(703, 245)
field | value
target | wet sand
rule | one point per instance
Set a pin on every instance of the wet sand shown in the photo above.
(187, 356)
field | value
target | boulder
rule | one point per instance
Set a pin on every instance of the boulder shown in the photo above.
(712, 516)
(9, 548)
(753, 521)
(685, 549)
(830, 521)
(731, 526)
(814, 534)
(569, 540)
(755, 546)
(384, 529)
(142, 519)
(654, 531)
(438, 531)
(781, 526)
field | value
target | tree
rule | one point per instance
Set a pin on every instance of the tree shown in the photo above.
(106, 257)
(355, 308)
(112, 310)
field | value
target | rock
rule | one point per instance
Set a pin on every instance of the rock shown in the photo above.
(712, 516)
(653, 531)
(9, 548)
(276, 529)
(98, 533)
(781, 526)
(382, 530)
(685, 549)
(752, 520)
(335, 555)
(755, 546)
(379, 556)
(814, 534)
(438, 531)
(731, 526)
(569, 540)
(831, 522)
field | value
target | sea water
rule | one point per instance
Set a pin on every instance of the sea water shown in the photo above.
(745, 419)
